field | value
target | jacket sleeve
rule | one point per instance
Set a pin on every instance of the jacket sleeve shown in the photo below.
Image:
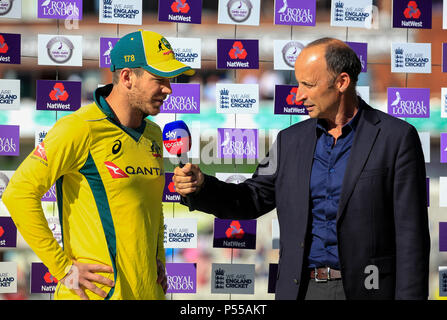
(247, 200)
(411, 220)
(62, 151)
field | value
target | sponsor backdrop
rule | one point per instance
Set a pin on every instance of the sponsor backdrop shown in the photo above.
(236, 259)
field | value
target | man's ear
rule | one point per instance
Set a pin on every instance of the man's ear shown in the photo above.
(343, 82)
(125, 77)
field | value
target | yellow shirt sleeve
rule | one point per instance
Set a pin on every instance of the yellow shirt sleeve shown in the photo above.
(64, 150)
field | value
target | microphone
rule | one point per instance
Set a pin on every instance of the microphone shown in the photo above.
(177, 140)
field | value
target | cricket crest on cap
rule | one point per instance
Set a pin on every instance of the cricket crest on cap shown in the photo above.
(163, 42)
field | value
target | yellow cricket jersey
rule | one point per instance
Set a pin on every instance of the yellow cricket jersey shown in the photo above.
(109, 182)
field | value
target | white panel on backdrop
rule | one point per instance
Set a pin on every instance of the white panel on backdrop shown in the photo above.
(443, 191)
(40, 134)
(244, 12)
(363, 92)
(237, 98)
(187, 50)
(444, 102)
(425, 141)
(9, 94)
(8, 277)
(275, 234)
(233, 278)
(121, 11)
(351, 13)
(180, 233)
(285, 53)
(233, 177)
(59, 50)
(5, 176)
(411, 57)
(444, 15)
(11, 9)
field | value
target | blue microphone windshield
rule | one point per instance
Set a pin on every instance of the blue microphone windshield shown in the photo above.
(176, 137)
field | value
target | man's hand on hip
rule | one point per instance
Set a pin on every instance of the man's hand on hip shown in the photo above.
(82, 275)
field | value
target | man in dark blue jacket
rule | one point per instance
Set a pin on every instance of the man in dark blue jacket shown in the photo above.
(349, 186)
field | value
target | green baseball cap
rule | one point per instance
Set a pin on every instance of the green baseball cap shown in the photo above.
(148, 50)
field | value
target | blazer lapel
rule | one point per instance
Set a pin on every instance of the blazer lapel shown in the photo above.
(364, 139)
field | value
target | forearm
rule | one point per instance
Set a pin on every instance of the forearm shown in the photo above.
(226, 200)
(26, 211)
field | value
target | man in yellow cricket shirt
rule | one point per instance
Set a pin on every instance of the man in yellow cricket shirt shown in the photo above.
(106, 160)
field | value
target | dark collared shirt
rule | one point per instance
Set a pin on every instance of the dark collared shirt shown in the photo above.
(328, 170)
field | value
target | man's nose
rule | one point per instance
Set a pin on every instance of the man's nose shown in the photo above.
(167, 87)
(300, 95)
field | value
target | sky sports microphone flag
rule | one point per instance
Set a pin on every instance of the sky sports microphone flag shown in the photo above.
(177, 138)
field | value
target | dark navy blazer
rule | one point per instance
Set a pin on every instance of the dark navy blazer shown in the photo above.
(382, 215)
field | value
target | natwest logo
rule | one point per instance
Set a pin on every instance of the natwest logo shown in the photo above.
(3, 45)
(49, 278)
(59, 93)
(115, 171)
(180, 6)
(412, 10)
(238, 51)
(291, 98)
(171, 187)
(235, 231)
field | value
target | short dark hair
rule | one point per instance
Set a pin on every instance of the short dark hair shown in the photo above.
(116, 74)
(340, 58)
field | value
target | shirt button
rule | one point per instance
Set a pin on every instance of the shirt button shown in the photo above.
(331, 170)
(329, 197)
(302, 244)
(296, 281)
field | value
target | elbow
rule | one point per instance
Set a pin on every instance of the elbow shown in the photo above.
(8, 198)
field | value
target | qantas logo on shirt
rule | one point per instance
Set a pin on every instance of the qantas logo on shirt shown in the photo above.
(115, 171)
(40, 151)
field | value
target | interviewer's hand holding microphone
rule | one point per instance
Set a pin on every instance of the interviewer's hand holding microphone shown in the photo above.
(177, 140)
